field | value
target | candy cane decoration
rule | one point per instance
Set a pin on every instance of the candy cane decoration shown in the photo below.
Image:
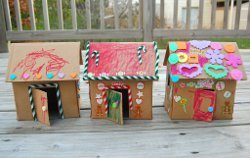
(96, 55)
(143, 48)
(104, 95)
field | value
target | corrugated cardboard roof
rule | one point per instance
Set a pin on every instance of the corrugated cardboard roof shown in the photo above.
(47, 61)
(121, 58)
(203, 60)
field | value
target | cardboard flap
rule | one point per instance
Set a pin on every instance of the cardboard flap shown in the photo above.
(115, 113)
(41, 105)
(165, 62)
(47, 61)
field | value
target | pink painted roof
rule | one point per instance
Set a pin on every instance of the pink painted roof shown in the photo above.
(121, 58)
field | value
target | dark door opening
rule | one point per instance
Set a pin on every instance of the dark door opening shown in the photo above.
(125, 103)
(52, 103)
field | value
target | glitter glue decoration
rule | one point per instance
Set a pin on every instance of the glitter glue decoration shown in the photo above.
(61, 75)
(200, 44)
(216, 46)
(233, 60)
(182, 85)
(13, 76)
(209, 67)
(190, 70)
(214, 56)
(193, 59)
(182, 57)
(50, 75)
(229, 48)
(236, 74)
(26, 76)
(173, 59)
(174, 78)
(173, 47)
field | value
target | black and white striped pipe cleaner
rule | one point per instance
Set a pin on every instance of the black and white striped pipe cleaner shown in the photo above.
(96, 55)
(58, 95)
(143, 48)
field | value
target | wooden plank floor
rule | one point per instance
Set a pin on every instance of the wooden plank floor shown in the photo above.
(159, 137)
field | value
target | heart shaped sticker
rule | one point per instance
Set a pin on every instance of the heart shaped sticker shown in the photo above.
(214, 71)
(190, 70)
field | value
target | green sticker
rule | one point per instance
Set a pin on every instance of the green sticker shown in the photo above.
(215, 68)
(173, 58)
(173, 46)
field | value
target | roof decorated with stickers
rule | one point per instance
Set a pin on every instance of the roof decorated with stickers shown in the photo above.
(46, 61)
(203, 59)
(121, 61)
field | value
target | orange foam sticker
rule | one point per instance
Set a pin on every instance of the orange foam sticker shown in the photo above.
(193, 59)
(229, 48)
(73, 75)
(38, 76)
(181, 45)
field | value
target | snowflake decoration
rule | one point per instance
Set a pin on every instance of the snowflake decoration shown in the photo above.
(214, 56)
(233, 60)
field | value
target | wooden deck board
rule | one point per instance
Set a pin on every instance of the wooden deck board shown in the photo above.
(159, 137)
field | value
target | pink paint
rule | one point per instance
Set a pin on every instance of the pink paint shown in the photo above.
(190, 70)
(216, 45)
(122, 57)
(174, 69)
(236, 74)
(233, 60)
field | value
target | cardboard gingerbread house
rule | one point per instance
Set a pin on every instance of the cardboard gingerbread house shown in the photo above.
(201, 79)
(120, 78)
(45, 80)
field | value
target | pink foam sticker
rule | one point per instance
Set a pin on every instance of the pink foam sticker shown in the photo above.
(26, 76)
(216, 46)
(174, 69)
(236, 74)
(233, 60)
(202, 60)
(190, 70)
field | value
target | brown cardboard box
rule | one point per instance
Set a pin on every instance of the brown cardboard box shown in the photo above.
(117, 67)
(45, 80)
(193, 90)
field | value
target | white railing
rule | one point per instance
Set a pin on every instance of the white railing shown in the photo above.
(148, 13)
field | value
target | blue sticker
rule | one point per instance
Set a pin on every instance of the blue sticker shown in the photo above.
(210, 109)
(174, 78)
(173, 59)
(12, 76)
(173, 46)
(50, 75)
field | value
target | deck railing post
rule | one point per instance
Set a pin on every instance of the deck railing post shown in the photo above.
(148, 20)
(3, 40)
